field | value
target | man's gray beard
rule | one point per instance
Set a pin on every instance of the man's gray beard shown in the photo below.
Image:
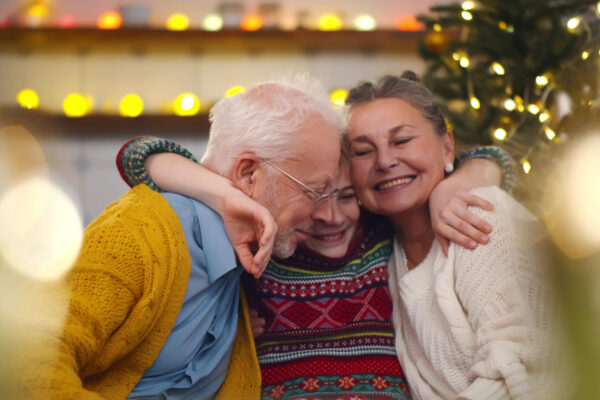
(282, 247)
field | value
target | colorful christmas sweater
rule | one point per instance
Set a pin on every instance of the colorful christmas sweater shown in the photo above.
(328, 332)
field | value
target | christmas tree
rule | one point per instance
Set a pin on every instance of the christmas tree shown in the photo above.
(521, 74)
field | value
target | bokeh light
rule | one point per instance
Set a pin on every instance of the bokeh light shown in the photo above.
(251, 22)
(573, 24)
(178, 22)
(76, 105)
(109, 20)
(475, 104)
(28, 98)
(67, 21)
(500, 133)
(365, 22)
(338, 96)
(232, 91)
(330, 22)
(498, 68)
(41, 229)
(212, 22)
(131, 105)
(186, 104)
(408, 23)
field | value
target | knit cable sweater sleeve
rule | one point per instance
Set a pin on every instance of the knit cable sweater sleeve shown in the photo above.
(115, 291)
(131, 157)
(506, 302)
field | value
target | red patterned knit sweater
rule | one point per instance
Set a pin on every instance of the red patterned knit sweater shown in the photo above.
(328, 331)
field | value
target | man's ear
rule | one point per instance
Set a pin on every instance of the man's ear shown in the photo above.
(245, 173)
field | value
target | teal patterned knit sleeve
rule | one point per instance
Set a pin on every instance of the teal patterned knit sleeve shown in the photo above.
(131, 157)
(507, 164)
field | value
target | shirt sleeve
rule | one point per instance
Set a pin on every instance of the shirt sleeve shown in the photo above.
(507, 164)
(131, 157)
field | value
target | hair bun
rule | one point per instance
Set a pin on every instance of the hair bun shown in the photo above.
(410, 75)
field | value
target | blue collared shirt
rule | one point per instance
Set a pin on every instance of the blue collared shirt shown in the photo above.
(194, 360)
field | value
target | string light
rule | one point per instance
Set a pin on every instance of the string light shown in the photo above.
(178, 22)
(76, 105)
(456, 56)
(544, 116)
(232, 91)
(497, 68)
(502, 25)
(550, 134)
(464, 62)
(330, 22)
(338, 96)
(28, 98)
(467, 16)
(212, 22)
(251, 22)
(437, 27)
(475, 103)
(468, 5)
(131, 105)
(109, 20)
(365, 22)
(573, 23)
(510, 104)
(186, 104)
(500, 133)
(585, 55)
(541, 80)
(526, 165)
(533, 109)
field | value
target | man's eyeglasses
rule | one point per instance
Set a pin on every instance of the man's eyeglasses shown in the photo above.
(317, 197)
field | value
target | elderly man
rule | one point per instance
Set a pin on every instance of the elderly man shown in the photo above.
(154, 293)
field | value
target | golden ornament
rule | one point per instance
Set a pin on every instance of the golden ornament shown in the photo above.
(437, 42)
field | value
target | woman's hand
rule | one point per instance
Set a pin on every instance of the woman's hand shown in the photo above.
(250, 227)
(256, 323)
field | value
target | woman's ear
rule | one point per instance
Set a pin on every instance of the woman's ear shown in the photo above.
(245, 173)
(448, 147)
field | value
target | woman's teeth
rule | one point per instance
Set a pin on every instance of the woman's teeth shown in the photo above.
(395, 182)
(333, 236)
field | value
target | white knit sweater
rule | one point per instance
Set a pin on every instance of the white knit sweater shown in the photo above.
(475, 324)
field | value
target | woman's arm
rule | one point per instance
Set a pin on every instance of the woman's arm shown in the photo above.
(451, 219)
(164, 165)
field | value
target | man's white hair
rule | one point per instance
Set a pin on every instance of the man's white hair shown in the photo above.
(265, 120)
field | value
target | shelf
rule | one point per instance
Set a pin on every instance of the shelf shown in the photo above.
(142, 40)
(42, 123)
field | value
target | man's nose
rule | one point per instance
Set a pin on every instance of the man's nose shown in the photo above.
(327, 211)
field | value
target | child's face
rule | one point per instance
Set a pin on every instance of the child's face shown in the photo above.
(332, 237)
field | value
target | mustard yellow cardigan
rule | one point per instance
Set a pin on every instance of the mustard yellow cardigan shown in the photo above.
(125, 292)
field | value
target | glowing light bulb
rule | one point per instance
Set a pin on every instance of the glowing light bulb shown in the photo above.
(468, 5)
(526, 166)
(232, 91)
(585, 55)
(598, 7)
(498, 68)
(533, 109)
(456, 56)
(186, 104)
(330, 22)
(109, 20)
(408, 23)
(510, 104)
(464, 62)
(28, 98)
(541, 80)
(550, 134)
(131, 105)
(437, 27)
(502, 25)
(475, 103)
(467, 16)
(338, 96)
(365, 22)
(573, 23)
(178, 22)
(212, 22)
(251, 22)
(500, 133)
(544, 116)
(76, 105)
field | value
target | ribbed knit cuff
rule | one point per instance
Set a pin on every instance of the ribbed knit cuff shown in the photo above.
(507, 164)
(486, 389)
(131, 157)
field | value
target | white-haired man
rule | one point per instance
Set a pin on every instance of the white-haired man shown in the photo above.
(154, 294)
